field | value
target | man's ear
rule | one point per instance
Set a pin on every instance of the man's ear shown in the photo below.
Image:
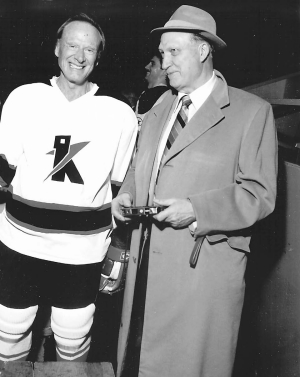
(204, 51)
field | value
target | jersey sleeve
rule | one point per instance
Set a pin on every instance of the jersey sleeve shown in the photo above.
(125, 148)
(10, 137)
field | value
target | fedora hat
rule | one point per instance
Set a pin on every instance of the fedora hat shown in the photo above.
(191, 19)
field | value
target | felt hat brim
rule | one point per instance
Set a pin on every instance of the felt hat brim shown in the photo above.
(214, 39)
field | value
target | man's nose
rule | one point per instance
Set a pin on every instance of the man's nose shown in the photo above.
(147, 66)
(165, 63)
(80, 55)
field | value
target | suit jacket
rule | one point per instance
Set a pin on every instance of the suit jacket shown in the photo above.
(225, 162)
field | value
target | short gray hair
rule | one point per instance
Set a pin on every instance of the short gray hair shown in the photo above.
(198, 37)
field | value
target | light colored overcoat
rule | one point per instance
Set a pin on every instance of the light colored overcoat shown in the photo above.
(225, 162)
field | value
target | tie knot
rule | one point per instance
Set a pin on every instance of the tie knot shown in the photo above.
(186, 101)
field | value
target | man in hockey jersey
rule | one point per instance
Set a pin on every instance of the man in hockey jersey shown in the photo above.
(61, 149)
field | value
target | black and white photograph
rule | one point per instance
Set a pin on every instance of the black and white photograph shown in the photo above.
(149, 188)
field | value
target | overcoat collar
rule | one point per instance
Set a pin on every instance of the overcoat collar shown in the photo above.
(209, 114)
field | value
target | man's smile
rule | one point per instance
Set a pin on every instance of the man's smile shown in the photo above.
(76, 66)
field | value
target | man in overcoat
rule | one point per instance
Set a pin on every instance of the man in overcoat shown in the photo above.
(216, 179)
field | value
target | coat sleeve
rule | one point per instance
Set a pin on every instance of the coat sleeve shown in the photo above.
(252, 196)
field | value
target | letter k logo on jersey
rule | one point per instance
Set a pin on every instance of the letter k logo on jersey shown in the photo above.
(63, 163)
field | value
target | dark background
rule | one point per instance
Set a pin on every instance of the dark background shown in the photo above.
(262, 38)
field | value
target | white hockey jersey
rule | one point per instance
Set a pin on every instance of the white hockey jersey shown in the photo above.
(66, 155)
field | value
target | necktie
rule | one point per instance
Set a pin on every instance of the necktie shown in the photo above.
(180, 122)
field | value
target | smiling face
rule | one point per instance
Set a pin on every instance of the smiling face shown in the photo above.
(155, 74)
(77, 52)
(184, 60)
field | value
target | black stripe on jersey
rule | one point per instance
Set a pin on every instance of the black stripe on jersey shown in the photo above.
(59, 219)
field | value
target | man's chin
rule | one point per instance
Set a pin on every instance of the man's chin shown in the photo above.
(77, 80)
(174, 84)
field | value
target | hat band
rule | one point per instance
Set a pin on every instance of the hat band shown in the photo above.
(181, 24)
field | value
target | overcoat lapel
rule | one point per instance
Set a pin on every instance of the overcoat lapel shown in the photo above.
(209, 114)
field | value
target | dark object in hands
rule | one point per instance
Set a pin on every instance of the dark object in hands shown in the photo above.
(141, 211)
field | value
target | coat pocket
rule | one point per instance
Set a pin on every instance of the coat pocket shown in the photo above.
(239, 243)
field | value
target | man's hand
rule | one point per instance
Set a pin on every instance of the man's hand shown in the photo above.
(179, 212)
(122, 200)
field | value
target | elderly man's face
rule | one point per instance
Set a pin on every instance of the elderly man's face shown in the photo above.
(77, 51)
(155, 74)
(181, 60)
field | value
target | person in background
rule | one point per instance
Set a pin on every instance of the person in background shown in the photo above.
(131, 96)
(157, 86)
(62, 148)
(208, 157)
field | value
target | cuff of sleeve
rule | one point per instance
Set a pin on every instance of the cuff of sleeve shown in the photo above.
(193, 228)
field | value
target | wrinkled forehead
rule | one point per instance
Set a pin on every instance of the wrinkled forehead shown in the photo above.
(83, 30)
(174, 37)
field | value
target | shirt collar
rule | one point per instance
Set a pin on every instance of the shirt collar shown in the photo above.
(199, 95)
